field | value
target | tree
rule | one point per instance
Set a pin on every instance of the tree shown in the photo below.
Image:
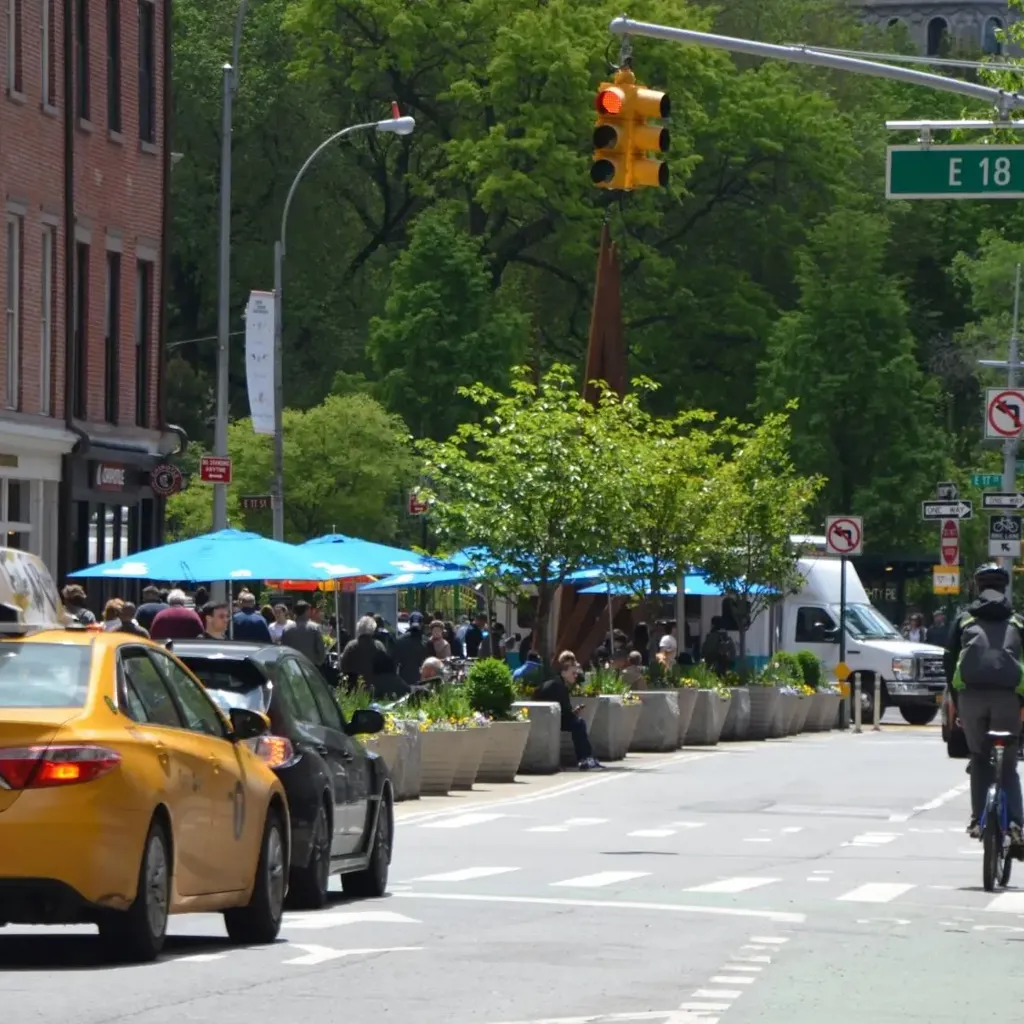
(347, 464)
(866, 416)
(443, 328)
(530, 484)
(762, 502)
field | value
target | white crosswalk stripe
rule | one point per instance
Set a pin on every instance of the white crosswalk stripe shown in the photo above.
(464, 875)
(601, 879)
(876, 892)
(732, 885)
(463, 821)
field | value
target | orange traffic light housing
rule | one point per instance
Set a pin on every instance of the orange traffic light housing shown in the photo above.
(623, 138)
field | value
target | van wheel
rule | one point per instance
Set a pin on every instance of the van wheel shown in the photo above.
(372, 881)
(308, 889)
(919, 716)
(137, 934)
(260, 921)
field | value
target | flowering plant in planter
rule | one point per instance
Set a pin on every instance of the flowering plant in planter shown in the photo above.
(447, 708)
(600, 681)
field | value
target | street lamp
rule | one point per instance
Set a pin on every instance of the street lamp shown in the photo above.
(393, 126)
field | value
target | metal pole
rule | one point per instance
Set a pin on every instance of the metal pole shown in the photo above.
(220, 431)
(1011, 445)
(842, 610)
(858, 711)
(876, 693)
(277, 497)
(1003, 101)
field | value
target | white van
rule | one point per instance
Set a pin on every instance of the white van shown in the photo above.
(911, 675)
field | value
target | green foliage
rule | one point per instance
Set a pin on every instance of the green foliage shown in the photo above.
(783, 668)
(347, 462)
(490, 689)
(811, 668)
(447, 703)
(353, 700)
(604, 680)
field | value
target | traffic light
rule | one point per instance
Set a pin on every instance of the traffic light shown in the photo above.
(623, 139)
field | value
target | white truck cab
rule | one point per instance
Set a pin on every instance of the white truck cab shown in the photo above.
(911, 675)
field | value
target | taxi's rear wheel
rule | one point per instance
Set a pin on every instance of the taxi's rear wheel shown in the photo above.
(308, 889)
(138, 934)
(260, 921)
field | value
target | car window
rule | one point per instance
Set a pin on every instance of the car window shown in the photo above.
(199, 712)
(146, 697)
(296, 692)
(330, 713)
(814, 626)
(44, 675)
(232, 682)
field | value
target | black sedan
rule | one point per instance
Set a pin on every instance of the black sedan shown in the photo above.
(339, 793)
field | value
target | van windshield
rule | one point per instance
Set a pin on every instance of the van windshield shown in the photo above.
(865, 622)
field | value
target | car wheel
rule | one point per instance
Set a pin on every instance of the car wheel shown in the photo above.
(260, 921)
(372, 881)
(919, 716)
(137, 934)
(308, 889)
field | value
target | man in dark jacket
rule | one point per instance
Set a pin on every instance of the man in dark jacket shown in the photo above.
(411, 650)
(557, 692)
(985, 675)
(248, 624)
(152, 605)
(362, 656)
(304, 635)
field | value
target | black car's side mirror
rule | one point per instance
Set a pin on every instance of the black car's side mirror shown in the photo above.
(247, 725)
(365, 721)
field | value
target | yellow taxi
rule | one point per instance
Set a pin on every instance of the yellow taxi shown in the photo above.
(127, 796)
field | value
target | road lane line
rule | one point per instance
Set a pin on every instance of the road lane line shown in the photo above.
(652, 833)
(463, 821)
(717, 993)
(773, 940)
(778, 916)
(742, 967)
(1007, 903)
(732, 885)
(942, 798)
(601, 879)
(464, 875)
(875, 892)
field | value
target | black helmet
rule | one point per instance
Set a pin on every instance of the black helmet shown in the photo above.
(991, 577)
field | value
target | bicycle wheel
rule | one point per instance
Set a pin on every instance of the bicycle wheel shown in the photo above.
(1004, 878)
(992, 842)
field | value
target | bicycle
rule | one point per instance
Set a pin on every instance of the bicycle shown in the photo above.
(995, 821)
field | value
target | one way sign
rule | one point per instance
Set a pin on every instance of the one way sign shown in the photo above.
(947, 510)
(1002, 500)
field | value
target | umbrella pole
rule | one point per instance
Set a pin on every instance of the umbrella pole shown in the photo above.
(337, 613)
(231, 611)
(611, 625)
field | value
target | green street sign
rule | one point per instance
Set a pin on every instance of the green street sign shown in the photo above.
(954, 172)
(987, 480)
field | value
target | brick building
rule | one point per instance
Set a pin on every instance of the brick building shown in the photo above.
(84, 163)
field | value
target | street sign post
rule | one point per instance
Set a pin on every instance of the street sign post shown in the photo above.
(214, 470)
(1004, 533)
(983, 480)
(949, 542)
(954, 172)
(1004, 413)
(945, 580)
(844, 535)
(959, 509)
(993, 502)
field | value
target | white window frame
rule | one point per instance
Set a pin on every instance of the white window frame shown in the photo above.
(46, 270)
(17, 526)
(12, 45)
(46, 51)
(14, 235)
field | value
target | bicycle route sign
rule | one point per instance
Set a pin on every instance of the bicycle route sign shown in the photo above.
(844, 535)
(1004, 413)
(1004, 535)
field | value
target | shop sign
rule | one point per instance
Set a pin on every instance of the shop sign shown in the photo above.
(165, 480)
(110, 476)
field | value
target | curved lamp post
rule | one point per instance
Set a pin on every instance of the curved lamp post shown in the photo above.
(393, 126)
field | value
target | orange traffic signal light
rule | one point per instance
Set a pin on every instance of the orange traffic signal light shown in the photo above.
(623, 139)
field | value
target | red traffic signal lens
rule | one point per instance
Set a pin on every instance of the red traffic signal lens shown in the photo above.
(610, 101)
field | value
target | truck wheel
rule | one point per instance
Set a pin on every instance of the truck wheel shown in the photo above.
(919, 716)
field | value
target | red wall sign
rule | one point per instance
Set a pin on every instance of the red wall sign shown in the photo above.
(214, 470)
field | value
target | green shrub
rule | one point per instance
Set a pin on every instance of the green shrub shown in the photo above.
(491, 689)
(604, 680)
(700, 677)
(810, 665)
(447, 703)
(783, 669)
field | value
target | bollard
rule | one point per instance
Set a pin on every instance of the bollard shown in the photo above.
(877, 727)
(858, 711)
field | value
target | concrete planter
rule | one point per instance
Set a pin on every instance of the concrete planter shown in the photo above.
(784, 711)
(709, 714)
(442, 751)
(406, 774)
(803, 711)
(687, 705)
(542, 755)
(590, 705)
(475, 743)
(506, 743)
(389, 749)
(614, 727)
(824, 712)
(658, 728)
(764, 702)
(737, 721)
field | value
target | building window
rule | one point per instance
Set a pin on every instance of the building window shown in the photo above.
(80, 364)
(114, 65)
(938, 36)
(47, 67)
(16, 514)
(14, 48)
(991, 44)
(82, 105)
(112, 340)
(143, 340)
(13, 362)
(147, 71)
(47, 259)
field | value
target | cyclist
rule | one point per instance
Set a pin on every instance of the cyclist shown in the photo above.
(985, 673)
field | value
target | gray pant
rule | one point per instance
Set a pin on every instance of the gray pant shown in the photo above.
(982, 713)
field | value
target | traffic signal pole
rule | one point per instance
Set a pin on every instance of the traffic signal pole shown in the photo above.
(1003, 101)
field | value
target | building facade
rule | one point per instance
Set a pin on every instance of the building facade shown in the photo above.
(84, 164)
(937, 25)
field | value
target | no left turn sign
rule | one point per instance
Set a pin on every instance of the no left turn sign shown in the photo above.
(844, 535)
(1004, 413)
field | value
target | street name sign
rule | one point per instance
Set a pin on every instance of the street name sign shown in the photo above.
(982, 480)
(945, 579)
(1004, 413)
(992, 502)
(959, 509)
(1004, 536)
(844, 535)
(954, 172)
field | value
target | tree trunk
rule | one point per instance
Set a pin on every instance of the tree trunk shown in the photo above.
(540, 641)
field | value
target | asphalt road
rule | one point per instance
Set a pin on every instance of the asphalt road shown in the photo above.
(773, 882)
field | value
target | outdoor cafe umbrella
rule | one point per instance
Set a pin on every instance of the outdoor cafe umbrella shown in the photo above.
(224, 555)
(342, 556)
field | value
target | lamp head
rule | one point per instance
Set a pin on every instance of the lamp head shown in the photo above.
(397, 125)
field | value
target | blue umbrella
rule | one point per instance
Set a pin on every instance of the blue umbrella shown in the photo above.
(224, 555)
(342, 556)
(422, 580)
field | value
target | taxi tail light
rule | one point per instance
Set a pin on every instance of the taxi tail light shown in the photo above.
(46, 767)
(276, 751)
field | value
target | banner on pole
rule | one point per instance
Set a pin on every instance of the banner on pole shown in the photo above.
(259, 360)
